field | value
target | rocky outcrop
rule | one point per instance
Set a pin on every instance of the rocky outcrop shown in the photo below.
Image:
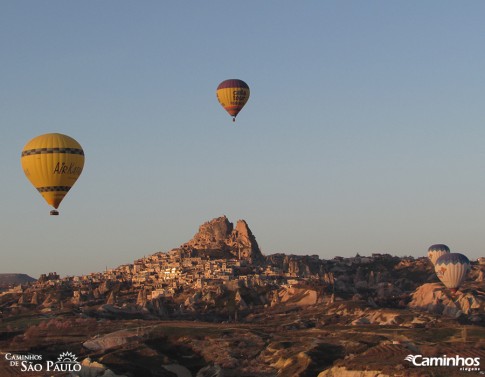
(76, 298)
(433, 298)
(481, 276)
(240, 303)
(113, 340)
(292, 296)
(141, 299)
(111, 299)
(294, 365)
(359, 313)
(212, 235)
(219, 238)
(51, 300)
(243, 240)
(299, 265)
(35, 299)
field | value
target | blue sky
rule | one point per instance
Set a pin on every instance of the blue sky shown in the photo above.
(364, 131)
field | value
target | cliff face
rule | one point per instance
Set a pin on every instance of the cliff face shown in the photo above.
(243, 239)
(301, 265)
(219, 238)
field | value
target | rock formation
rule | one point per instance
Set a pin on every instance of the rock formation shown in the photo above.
(480, 277)
(112, 340)
(288, 316)
(141, 299)
(35, 299)
(50, 301)
(21, 300)
(433, 298)
(76, 298)
(219, 238)
(111, 299)
(297, 296)
(301, 265)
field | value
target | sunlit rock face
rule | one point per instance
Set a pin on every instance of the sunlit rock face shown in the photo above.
(219, 238)
(434, 298)
(212, 235)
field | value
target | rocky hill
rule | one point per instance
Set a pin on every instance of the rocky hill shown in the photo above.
(14, 279)
(219, 239)
(216, 306)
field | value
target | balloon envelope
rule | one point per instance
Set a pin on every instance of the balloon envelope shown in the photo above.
(451, 269)
(233, 95)
(436, 251)
(52, 163)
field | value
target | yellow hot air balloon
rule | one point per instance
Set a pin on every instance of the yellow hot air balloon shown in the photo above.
(52, 163)
(233, 95)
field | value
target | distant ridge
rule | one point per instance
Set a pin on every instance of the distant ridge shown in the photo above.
(9, 279)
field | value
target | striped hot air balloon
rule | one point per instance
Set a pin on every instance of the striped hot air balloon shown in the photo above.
(233, 95)
(451, 269)
(436, 251)
(52, 163)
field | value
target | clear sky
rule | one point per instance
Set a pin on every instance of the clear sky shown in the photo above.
(364, 132)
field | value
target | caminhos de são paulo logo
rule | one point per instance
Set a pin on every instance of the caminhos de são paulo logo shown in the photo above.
(66, 362)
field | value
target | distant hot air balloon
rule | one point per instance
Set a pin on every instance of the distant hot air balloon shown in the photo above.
(233, 95)
(436, 251)
(52, 163)
(451, 269)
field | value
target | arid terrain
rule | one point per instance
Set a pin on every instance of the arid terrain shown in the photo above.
(217, 306)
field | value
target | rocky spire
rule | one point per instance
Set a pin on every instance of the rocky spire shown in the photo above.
(35, 299)
(49, 301)
(480, 276)
(76, 298)
(141, 299)
(245, 243)
(111, 299)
